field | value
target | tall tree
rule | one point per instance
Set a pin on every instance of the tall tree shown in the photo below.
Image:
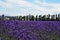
(44, 17)
(23, 18)
(32, 18)
(48, 17)
(36, 18)
(52, 17)
(40, 17)
(56, 17)
(20, 18)
(59, 17)
(3, 17)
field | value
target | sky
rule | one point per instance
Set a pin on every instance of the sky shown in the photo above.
(26, 7)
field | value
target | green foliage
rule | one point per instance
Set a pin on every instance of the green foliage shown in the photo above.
(32, 17)
(6, 18)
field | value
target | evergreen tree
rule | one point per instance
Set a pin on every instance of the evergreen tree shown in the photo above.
(32, 18)
(27, 18)
(40, 17)
(52, 17)
(58, 17)
(20, 18)
(48, 17)
(3, 17)
(23, 18)
(36, 18)
(44, 17)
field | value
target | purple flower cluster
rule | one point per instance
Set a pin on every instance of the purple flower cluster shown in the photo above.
(29, 30)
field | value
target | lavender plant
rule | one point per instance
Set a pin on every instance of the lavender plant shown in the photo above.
(29, 30)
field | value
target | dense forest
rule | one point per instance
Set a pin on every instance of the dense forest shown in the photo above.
(54, 17)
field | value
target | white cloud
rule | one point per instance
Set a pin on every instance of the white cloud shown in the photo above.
(25, 3)
(5, 5)
(38, 9)
(56, 7)
(37, 1)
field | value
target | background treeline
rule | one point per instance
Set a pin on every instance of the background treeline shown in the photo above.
(54, 17)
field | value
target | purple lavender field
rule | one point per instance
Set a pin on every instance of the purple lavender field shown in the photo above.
(29, 30)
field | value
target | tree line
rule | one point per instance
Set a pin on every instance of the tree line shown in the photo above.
(54, 17)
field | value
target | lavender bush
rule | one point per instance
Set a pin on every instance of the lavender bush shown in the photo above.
(29, 30)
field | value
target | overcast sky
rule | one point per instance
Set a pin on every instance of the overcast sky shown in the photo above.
(25, 7)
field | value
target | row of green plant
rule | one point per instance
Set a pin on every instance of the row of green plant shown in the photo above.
(33, 18)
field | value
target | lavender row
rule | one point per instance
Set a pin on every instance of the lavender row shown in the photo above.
(29, 30)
